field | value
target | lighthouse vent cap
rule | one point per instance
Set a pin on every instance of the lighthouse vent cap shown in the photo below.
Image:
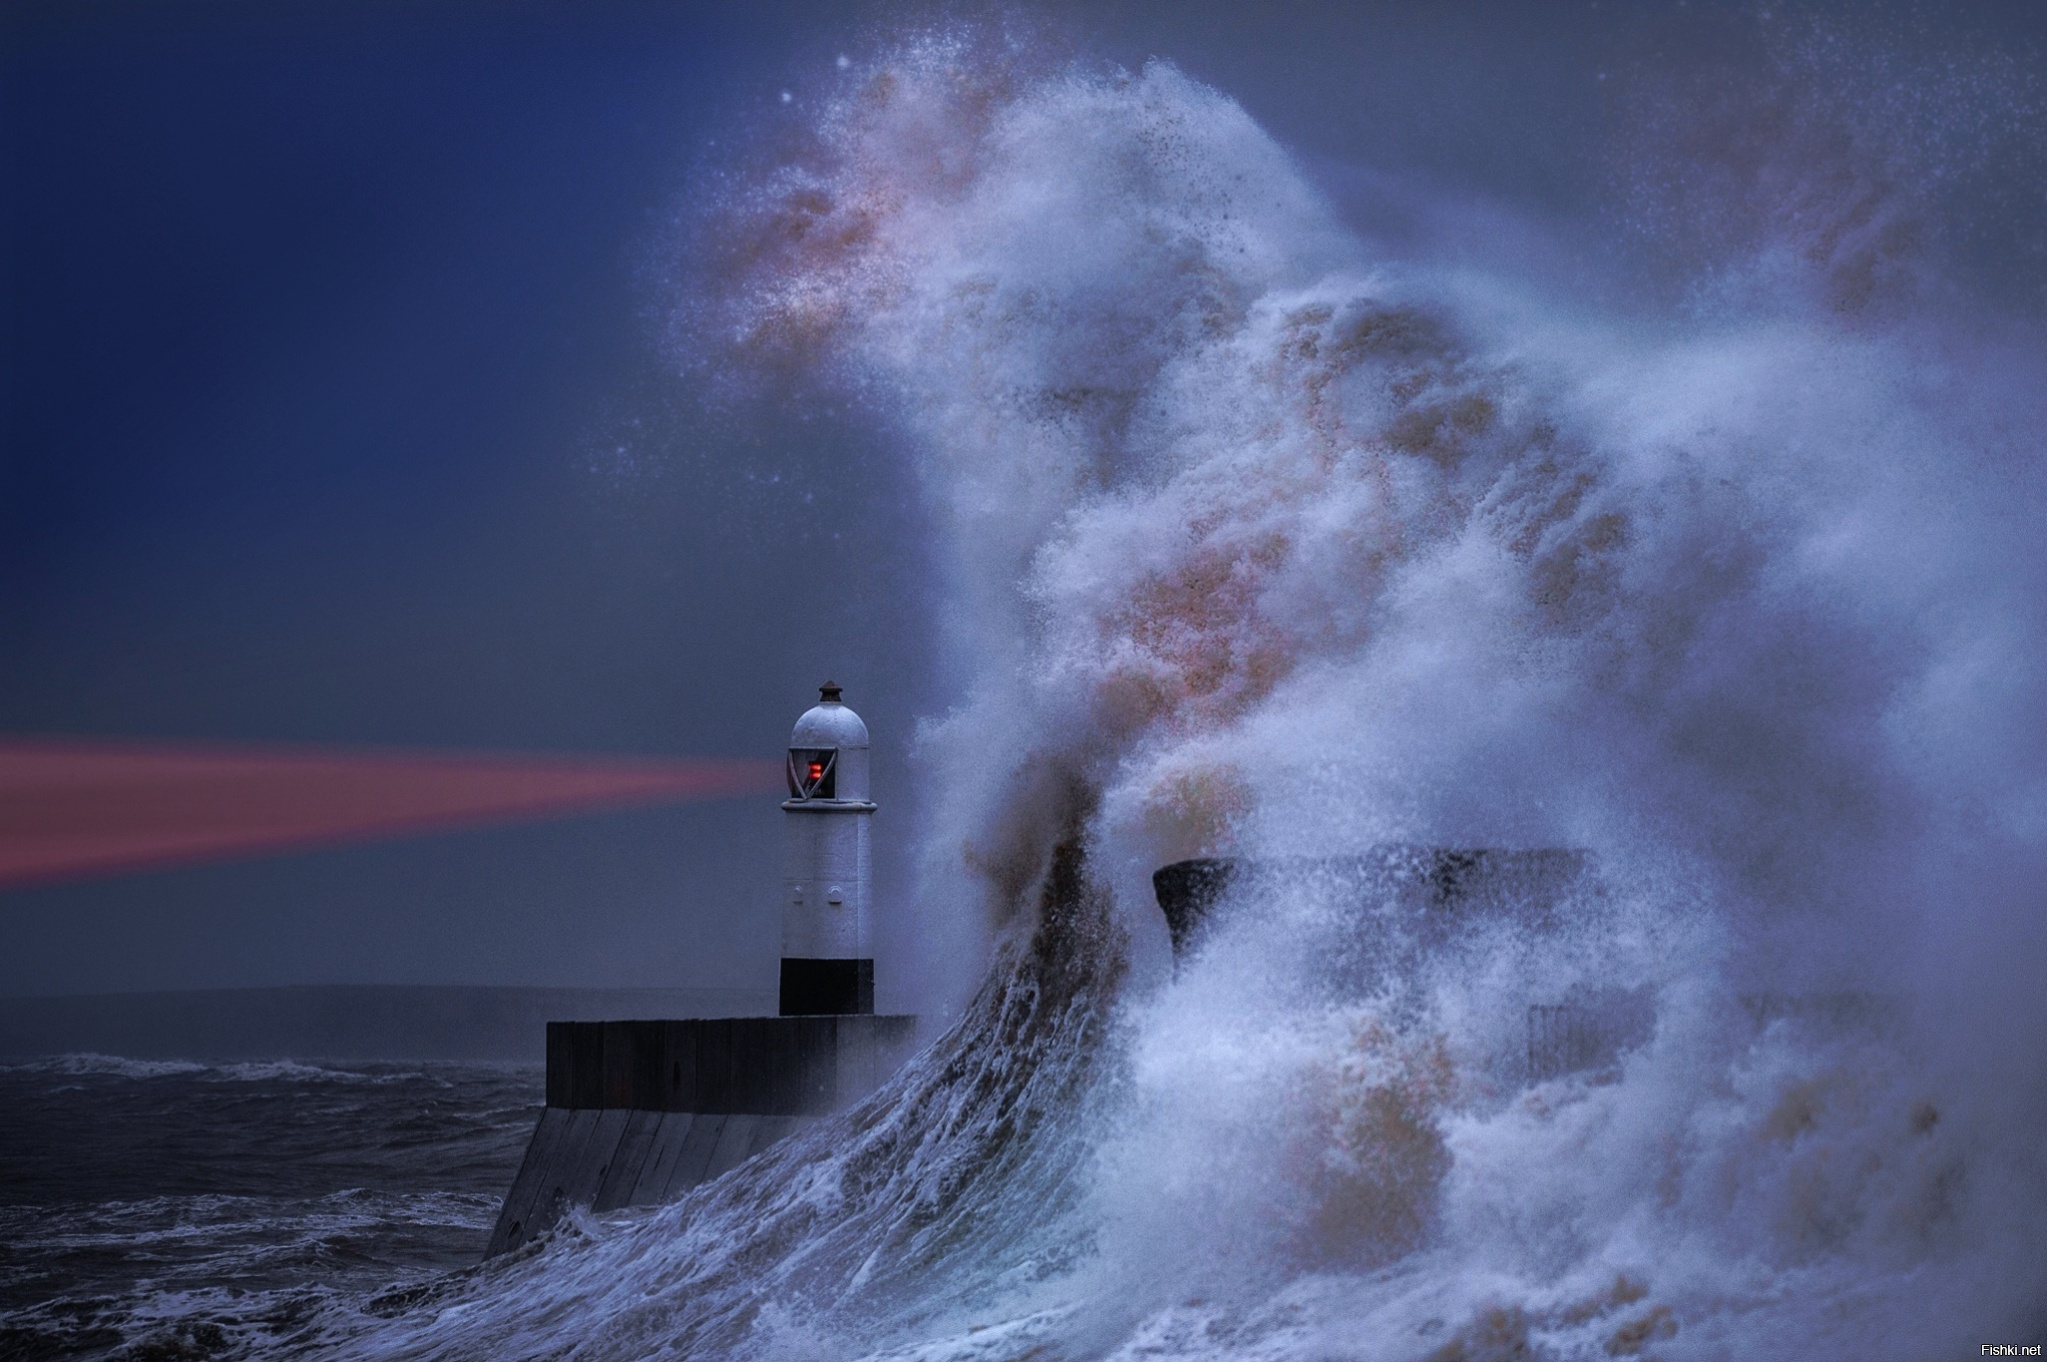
(829, 723)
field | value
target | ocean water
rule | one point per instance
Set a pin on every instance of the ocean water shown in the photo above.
(174, 1209)
(1255, 537)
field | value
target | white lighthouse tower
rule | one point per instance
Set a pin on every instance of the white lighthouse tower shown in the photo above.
(827, 877)
(638, 1112)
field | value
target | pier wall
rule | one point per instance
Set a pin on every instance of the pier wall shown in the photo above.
(639, 1112)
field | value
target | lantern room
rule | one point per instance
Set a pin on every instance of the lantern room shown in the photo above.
(828, 752)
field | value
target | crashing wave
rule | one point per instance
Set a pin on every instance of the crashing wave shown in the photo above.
(1255, 545)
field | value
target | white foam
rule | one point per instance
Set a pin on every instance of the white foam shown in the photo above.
(109, 1066)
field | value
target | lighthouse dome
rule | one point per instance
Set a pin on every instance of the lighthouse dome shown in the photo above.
(828, 754)
(829, 723)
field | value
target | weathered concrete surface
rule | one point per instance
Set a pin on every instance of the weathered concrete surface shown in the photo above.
(763, 1066)
(639, 1112)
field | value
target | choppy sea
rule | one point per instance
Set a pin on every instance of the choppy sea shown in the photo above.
(171, 1209)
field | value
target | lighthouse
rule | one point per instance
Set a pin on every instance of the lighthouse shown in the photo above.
(640, 1111)
(827, 865)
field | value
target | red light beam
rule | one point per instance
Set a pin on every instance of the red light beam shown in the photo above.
(79, 808)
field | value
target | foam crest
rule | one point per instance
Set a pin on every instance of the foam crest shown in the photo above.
(109, 1066)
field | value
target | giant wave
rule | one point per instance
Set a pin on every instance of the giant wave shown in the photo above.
(1256, 542)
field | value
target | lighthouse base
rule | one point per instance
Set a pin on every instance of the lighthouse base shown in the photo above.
(639, 1112)
(822, 988)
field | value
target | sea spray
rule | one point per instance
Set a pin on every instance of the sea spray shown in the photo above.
(1256, 544)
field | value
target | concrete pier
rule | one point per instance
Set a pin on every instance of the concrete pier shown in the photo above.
(1439, 886)
(1431, 891)
(639, 1112)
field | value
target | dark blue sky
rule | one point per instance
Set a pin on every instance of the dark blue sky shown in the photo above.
(320, 321)
(334, 410)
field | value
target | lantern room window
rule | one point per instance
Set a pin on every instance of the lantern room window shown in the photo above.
(813, 772)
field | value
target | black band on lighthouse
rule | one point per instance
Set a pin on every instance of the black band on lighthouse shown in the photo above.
(818, 988)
